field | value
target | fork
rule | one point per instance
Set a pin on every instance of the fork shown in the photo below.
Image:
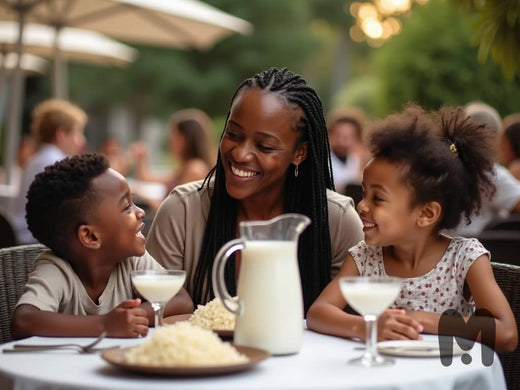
(88, 348)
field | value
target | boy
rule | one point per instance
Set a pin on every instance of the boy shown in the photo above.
(83, 212)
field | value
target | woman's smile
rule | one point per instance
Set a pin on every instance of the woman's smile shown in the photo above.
(242, 172)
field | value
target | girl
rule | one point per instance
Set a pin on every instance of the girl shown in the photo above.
(426, 172)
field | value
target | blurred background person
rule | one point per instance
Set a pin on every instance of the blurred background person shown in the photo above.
(509, 149)
(349, 155)
(506, 199)
(111, 148)
(508, 120)
(58, 130)
(192, 146)
(26, 150)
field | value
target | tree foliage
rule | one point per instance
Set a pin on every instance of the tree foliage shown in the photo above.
(433, 63)
(163, 80)
(497, 31)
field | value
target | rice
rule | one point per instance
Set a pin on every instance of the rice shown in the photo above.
(183, 344)
(213, 315)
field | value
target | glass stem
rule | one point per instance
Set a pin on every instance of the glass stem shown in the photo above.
(371, 336)
(158, 311)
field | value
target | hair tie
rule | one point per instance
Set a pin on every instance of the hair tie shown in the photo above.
(453, 148)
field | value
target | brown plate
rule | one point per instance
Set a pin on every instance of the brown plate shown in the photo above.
(116, 357)
(223, 333)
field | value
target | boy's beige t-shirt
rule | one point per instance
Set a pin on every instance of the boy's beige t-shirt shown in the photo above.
(54, 286)
(176, 234)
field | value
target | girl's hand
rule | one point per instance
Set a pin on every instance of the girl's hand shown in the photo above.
(126, 320)
(394, 324)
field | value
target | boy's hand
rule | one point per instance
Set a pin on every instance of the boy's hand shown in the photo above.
(394, 324)
(126, 320)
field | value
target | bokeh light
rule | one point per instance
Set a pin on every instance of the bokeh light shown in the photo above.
(377, 20)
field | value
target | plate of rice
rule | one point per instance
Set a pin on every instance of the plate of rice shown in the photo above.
(213, 315)
(183, 349)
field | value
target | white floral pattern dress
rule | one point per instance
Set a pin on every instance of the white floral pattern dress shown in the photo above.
(436, 291)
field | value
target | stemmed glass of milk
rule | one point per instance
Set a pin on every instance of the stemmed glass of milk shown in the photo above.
(370, 296)
(158, 287)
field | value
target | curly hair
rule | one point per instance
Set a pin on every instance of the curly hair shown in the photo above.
(60, 199)
(444, 156)
(305, 194)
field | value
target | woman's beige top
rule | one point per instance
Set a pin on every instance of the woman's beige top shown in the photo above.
(176, 233)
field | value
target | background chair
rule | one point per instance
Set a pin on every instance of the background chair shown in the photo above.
(15, 265)
(504, 245)
(355, 191)
(7, 234)
(512, 223)
(508, 278)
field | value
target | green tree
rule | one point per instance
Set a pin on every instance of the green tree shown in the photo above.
(432, 62)
(163, 80)
(497, 31)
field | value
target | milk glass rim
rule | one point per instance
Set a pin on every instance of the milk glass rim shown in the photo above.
(178, 272)
(371, 279)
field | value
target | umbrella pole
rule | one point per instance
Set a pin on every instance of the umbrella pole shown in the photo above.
(60, 68)
(3, 90)
(15, 108)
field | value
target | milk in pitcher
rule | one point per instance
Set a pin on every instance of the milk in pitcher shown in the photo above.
(270, 291)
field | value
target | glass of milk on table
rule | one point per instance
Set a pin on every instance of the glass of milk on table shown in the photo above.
(158, 287)
(370, 296)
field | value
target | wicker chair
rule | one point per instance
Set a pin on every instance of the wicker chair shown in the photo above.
(508, 278)
(16, 263)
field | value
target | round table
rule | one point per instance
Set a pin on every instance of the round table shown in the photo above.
(321, 364)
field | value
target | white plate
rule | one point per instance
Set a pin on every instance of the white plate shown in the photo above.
(416, 348)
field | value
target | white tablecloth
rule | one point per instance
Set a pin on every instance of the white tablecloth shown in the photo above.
(321, 364)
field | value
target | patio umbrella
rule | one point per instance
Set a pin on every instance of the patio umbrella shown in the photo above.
(179, 23)
(74, 45)
(30, 64)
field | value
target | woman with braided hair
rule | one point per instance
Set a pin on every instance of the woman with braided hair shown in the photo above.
(273, 159)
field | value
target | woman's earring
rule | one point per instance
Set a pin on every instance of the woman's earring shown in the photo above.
(296, 170)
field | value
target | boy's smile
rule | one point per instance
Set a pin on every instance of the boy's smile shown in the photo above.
(118, 221)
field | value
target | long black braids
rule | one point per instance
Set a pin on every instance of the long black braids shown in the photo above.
(305, 194)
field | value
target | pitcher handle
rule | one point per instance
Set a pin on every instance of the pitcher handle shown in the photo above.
(219, 284)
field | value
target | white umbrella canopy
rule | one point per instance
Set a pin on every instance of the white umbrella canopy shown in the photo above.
(69, 44)
(74, 44)
(179, 23)
(30, 64)
(174, 23)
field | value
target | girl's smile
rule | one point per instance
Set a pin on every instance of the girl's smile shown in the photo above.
(386, 208)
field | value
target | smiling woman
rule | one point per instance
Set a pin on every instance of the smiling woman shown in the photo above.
(273, 159)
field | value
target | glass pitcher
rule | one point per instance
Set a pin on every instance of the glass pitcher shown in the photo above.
(269, 308)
